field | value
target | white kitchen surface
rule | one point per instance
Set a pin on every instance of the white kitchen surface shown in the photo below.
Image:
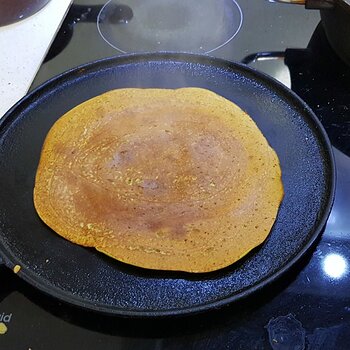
(23, 46)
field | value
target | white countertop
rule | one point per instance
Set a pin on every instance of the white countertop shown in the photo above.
(23, 48)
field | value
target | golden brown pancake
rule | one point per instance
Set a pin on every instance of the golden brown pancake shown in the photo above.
(162, 179)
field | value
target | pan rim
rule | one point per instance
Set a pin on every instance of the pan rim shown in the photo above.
(89, 67)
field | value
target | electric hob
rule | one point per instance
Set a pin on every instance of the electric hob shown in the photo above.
(308, 307)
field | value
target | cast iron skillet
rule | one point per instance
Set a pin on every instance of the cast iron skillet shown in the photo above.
(90, 279)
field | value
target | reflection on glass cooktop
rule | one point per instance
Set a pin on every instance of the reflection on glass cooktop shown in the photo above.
(172, 25)
(308, 308)
(264, 27)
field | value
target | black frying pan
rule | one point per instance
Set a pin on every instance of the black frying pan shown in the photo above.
(335, 18)
(89, 279)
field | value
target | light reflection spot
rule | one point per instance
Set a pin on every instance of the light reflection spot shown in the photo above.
(335, 265)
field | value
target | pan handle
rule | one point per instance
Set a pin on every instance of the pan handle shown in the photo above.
(297, 2)
(310, 4)
(263, 56)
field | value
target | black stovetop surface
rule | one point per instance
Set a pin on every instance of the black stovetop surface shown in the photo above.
(308, 308)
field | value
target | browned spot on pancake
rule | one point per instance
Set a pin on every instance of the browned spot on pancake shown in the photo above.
(159, 178)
